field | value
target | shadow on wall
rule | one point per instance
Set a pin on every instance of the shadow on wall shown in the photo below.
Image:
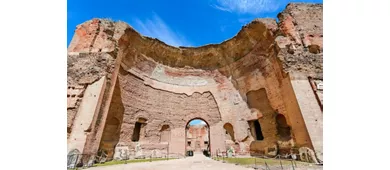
(284, 131)
(112, 129)
(258, 99)
(165, 133)
(263, 129)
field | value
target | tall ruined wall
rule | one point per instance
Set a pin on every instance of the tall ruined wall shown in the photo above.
(257, 78)
(300, 38)
(90, 66)
(296, 74)
(87, 75)
(159, 108)
(99, 35)
(232, 107)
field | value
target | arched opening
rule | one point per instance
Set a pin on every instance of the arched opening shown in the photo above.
(229, 132)
(284, 131)
(197, 137)
(165, 133)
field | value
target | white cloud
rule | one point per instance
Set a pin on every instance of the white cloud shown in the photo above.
(249, 6)
(221, 8)
(156, 28)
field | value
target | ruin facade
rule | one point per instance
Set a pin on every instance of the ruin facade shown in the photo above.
(197, 138)
(260, 92)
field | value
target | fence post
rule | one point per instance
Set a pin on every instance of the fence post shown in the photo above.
(281, 163)
(77, 159)
(266, 166)
(255, 164)
(292, 164)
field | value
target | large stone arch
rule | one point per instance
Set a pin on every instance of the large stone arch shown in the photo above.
(205, 145)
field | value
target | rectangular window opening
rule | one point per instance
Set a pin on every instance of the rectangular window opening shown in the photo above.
(136, 132)
(256, 129)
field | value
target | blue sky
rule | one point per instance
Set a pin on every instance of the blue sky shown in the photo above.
(177, 22)
(197, 121)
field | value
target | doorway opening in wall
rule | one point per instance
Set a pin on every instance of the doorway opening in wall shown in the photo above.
(137, 129)
(256, 129)
(284, 131)
(197, 137)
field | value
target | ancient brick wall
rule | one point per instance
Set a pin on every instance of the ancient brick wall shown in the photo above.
(158, 107)
(84, 70)
(144, 101)
(300, 38)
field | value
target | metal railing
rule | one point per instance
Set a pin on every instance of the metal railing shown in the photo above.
(82, 160)
(75, 161)
(292, 158)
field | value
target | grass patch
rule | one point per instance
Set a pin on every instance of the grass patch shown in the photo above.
(130, 161)
(259, 161)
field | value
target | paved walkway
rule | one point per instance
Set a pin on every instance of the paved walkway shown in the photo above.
(197, 162)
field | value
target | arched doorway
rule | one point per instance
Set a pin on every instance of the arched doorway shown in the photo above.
(197, 137)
